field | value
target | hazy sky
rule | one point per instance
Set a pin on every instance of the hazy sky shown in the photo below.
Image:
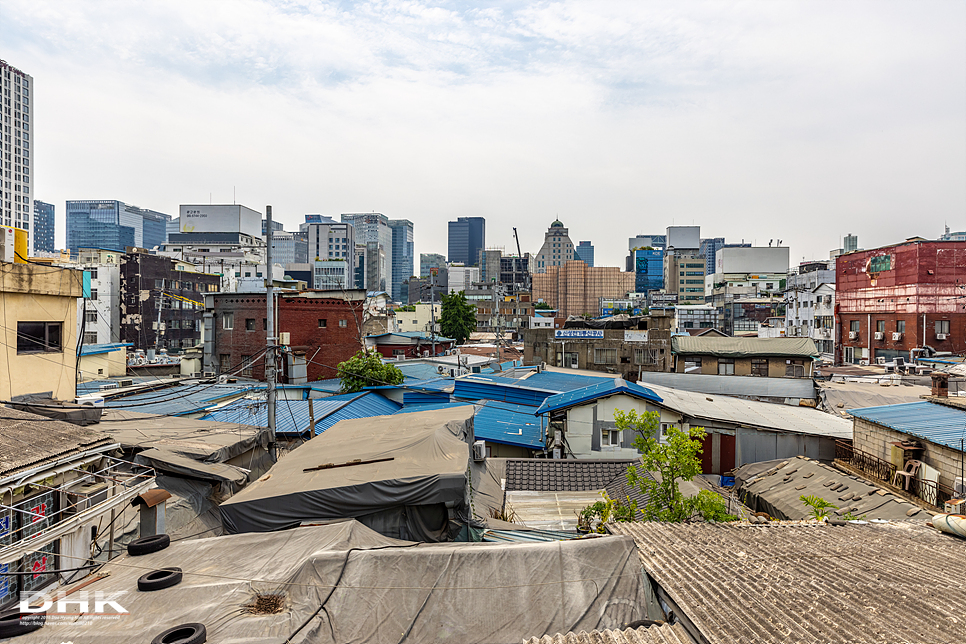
(759, 120)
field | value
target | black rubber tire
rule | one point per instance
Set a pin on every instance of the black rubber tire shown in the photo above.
(10, 625)
(160, 579)
(183, 634)
(147, 545)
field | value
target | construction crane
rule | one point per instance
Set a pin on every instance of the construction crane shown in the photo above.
(520, 254)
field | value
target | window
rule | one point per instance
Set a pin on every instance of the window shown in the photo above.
(224, 362)
(90, 337)
(855, 326)
(343, 323)
(605, 356)
(881, 263)
(726, 366)
(795, 369)
(692, 365)
(900, 326)
(158, 283)
(228, 321)
(93, 294)
(91, 317)
(942, 326)
(880, 326)
(399, 353)
(246, 366)
(610, 437)
(249, 324)
(322, 323)
(264, 324)
(645, 356)
(93, 272)
(35, 337)
(759, 367)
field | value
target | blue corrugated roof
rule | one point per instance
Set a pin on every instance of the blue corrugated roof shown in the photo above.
(292, 416)
(180, 400)
(557, 381)
(409, 409)
(931, 421)
(508, 424)
(511, 390)
(95, 349)
(417, 370)
(608, 387)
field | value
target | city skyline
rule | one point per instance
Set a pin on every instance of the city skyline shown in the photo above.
(812, 124)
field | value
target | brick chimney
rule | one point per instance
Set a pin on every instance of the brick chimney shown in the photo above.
(940, 385)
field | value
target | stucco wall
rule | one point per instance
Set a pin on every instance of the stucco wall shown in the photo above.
(580, 425)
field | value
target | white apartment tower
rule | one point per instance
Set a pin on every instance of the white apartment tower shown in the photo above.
(17, 150)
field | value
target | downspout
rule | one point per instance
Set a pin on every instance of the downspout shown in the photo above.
(868, 333)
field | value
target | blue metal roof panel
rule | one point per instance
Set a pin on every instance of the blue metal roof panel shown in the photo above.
(559, 382)
(508, 424)
(930, 421)
(502, 389)
(409, 409)
(95, 349)
(180, 400)
(608, 387)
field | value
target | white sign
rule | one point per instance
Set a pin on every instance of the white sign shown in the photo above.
(220, 219)
(635, 336)
(579, 333)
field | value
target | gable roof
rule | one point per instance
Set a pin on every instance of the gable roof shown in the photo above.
(931, 421)
(744, 347)
(608, 387)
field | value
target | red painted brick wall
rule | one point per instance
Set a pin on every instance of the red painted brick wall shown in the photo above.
(923, 279)
(325, 346)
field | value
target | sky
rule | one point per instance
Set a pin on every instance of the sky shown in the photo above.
(799, 121)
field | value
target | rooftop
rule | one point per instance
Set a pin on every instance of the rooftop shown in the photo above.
(661, 634)
(30, 440)
(713, 345)
(608, 387)
(779, 583)
(930, 421)
(96, 349)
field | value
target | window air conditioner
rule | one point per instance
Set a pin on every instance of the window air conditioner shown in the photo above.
(879, 335)
(896, 337)
(479, 451)
(942, 336)
(853, 335)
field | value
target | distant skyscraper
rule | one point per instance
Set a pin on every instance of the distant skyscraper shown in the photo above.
(113, 225)
(467, 237)
(557, 248)
(585, 253)
(43, 227)
(276, 225)
(429, 261)
(851, 243)
(402, 255)
(373, 228)
(17, 145)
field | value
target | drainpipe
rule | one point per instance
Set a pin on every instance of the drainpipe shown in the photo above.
(868, 332)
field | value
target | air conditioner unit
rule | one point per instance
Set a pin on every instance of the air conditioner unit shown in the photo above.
(209, 374)
(955, 506)
(863, 363)
(479, 451)
(284, 338)
(879, 335)
(896, 337)
(125, 382)
(942, 336)
(853, 335)
(90, 400)
(110, 385)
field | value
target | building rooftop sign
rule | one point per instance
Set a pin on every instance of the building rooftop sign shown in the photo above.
(578, 333)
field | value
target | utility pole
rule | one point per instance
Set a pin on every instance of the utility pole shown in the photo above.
(270, 333)
(432, 307)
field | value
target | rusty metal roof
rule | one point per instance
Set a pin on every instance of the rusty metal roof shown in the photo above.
(663, 634)
(877, 582)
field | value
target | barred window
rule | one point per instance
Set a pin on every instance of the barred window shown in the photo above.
(645, 356)
(605, 356)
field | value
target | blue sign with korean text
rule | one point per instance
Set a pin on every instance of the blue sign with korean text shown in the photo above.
(579, 333)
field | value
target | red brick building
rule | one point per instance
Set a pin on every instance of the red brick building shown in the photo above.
(324, 325)
(894, 299)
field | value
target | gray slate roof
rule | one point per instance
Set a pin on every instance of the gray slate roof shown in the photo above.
(28, 439)
(548, 475)
(663, 634)
(780, 583)
(778, 490)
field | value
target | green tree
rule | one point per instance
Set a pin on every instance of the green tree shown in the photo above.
(542, 306)
(457, 317)
(664, 466)
(820, 507)
(366, 369)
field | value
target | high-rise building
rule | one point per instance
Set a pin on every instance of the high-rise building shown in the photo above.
(684, 275)
(42, 235)
(402, 255)
(276, 226)
(467, 237)
(429, 261)
(585, 253)
(642, 241)
(330, 240)
(17, 145)
(373, 228)
(851, 243)
(113, 225)
(576, 289)
(557, 248)
(648, 270)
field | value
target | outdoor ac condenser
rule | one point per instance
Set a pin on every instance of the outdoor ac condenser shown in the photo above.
(479, 451)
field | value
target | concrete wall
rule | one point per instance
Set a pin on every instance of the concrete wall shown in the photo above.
(582, 423)
(875, 439)
(103, 365)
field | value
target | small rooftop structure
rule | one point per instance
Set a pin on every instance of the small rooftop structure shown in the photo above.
(934, 422)
(780, 583)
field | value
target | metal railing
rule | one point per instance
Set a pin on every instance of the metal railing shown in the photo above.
(935, 494)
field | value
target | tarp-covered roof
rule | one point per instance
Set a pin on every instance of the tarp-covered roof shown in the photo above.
(412, 459)
(343, 583)
(709, 345)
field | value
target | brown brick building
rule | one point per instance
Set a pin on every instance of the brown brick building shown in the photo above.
(576, 289)
(324, 325)
(894, 299)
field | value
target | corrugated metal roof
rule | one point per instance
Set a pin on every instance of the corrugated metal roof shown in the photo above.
(779, 583)
(95, 349)
(417, 407)
(479, 387)
(556, 381)
(607, 387)
(732, 385)
(744, 347)
(528, 536)
(751, 413)
(923, 419)
(292, 416)
(501, 422)
(181, 400)
(659, 634)
(417, 370)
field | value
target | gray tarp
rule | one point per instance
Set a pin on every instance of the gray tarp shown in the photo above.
(427, 465)
(173, 463)
(345, 584)
(744, 347)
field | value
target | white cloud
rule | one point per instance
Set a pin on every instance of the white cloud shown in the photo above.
(757, 120)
